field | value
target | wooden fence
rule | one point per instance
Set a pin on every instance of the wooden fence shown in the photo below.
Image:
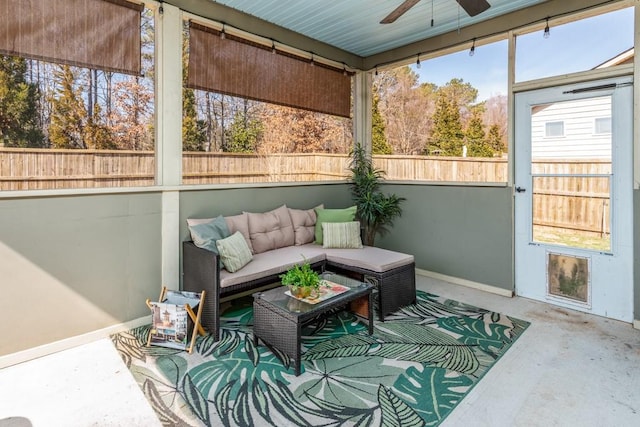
(567, 203)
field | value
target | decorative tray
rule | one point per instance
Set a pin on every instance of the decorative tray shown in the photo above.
(327, 290)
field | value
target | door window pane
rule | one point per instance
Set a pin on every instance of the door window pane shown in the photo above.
(572, 211)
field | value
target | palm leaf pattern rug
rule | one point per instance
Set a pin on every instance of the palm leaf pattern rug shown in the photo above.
(414, 369)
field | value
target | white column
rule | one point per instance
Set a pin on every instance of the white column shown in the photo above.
(169, 135)
(362, 104)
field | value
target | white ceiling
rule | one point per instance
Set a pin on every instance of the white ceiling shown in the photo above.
(354, 25)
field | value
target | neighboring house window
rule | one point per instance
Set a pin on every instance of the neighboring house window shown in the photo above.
(602, 125)
(554, 129)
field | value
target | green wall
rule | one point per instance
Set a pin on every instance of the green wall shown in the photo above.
(459, 231)
(73, 265)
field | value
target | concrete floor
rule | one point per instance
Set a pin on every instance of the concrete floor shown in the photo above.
(568, 369)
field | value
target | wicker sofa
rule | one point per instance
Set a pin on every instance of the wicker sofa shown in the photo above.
(275, 249)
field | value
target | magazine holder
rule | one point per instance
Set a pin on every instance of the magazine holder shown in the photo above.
(171, 316)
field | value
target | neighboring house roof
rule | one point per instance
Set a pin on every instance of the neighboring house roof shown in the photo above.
(625, 57)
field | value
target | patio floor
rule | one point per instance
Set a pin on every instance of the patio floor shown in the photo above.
(567, 369)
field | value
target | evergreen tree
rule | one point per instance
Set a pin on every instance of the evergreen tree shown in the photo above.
(447, 135)
(18, 105)
(477, 145)
(243, 134)
(97, 135)
(193, 132)
(68, 114)
(494, 139)
(379, 143)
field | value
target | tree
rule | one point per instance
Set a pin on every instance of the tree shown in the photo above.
(496, 114)
(244, 134)
(476, 142)
(447, 136)
(405, 106)
(463, 94)
(193, 133)
(293, 130)
(68, 114)
(19, 125)
(495, 141)
(97, 135)
(131, 115)
(379, 143)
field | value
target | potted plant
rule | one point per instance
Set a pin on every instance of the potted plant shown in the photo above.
(302, 280)
(375, 211)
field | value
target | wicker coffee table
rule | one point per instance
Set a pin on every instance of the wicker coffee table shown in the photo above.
(278, 318)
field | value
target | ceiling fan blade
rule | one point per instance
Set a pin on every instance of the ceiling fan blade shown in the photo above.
(399, 11)
(474, 7)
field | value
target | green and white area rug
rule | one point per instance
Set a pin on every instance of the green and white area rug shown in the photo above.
(414, 369)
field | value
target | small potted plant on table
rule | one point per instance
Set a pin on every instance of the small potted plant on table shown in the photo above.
(302, 281)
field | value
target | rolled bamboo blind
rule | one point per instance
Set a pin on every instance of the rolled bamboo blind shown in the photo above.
(238, 67)
(97, 34)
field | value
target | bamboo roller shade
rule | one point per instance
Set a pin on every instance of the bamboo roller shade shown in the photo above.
(238, 67)
(97, 34)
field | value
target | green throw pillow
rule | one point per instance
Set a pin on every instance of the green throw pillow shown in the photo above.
(205, 235)
(343, 235)
(332, 215)
(234, 252)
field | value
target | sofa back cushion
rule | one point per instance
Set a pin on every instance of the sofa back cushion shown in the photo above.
(270, 230)
(240, 223)
(304, 223)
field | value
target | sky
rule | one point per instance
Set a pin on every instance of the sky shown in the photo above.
(577, 46)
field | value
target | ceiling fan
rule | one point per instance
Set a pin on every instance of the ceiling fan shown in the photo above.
(472, 7)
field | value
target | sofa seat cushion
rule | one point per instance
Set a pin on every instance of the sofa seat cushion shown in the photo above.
(273, 262)
(369, 258)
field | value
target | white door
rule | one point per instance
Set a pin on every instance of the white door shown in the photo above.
(573, 197)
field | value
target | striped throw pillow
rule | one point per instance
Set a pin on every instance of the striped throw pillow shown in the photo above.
(345, 235)
(234, 252)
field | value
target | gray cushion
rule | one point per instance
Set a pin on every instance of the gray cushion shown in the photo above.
(273, 262)
(369, 258)
(205, 232)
